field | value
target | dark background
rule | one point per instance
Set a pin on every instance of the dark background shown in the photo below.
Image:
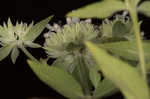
(18, 81)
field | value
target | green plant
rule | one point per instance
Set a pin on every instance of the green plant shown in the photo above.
(19, 36)
(92, 61)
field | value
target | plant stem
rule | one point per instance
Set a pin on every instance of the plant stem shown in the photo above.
(28, 54)
(133, 14)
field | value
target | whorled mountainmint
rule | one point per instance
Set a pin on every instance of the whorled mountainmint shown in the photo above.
(69, 39)
(21, 35)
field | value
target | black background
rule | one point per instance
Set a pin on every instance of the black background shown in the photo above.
(18, 81)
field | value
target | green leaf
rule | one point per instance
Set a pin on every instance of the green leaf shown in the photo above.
(81, 73)
(94, 76)
(66, 63)
(4, 51)
(127, 49)
(14, 54)
(36, 30)
(119, 29)
(99, 9)
(144, 8)
(106, 30)
(58, 79)
(124, 76)
(105, 88)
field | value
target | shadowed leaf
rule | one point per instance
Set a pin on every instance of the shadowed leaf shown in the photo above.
(127, 49)
(144, 8)
(124, 76)
(94, 76)
(58, 79)
(99, 9)
(105, 88)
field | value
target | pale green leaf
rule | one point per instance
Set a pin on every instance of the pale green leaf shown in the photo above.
(14, 54)
(58, 79)
(124, 76)
(36, 30)
(99, 9)
(95, 77)
(144, 8)
(127, 49)
(66, 63)
(81, 73)
(4, 51)
(105, 88)
(106, 30)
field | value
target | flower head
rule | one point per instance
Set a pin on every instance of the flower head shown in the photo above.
(120, 28)
(70, 38)
(17, 36)
(14, 34)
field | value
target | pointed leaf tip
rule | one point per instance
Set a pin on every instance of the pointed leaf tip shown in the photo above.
(37, 29)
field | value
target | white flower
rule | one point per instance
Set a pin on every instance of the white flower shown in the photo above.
(69, 38)
(20, 36)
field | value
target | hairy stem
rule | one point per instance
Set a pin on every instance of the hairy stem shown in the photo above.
(133, 14)
(28, 54)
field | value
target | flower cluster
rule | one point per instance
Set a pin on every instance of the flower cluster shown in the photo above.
(60, 41)
(65, 42)
(21, 35)
(14, 34)
(69, 38)
(118, 29)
